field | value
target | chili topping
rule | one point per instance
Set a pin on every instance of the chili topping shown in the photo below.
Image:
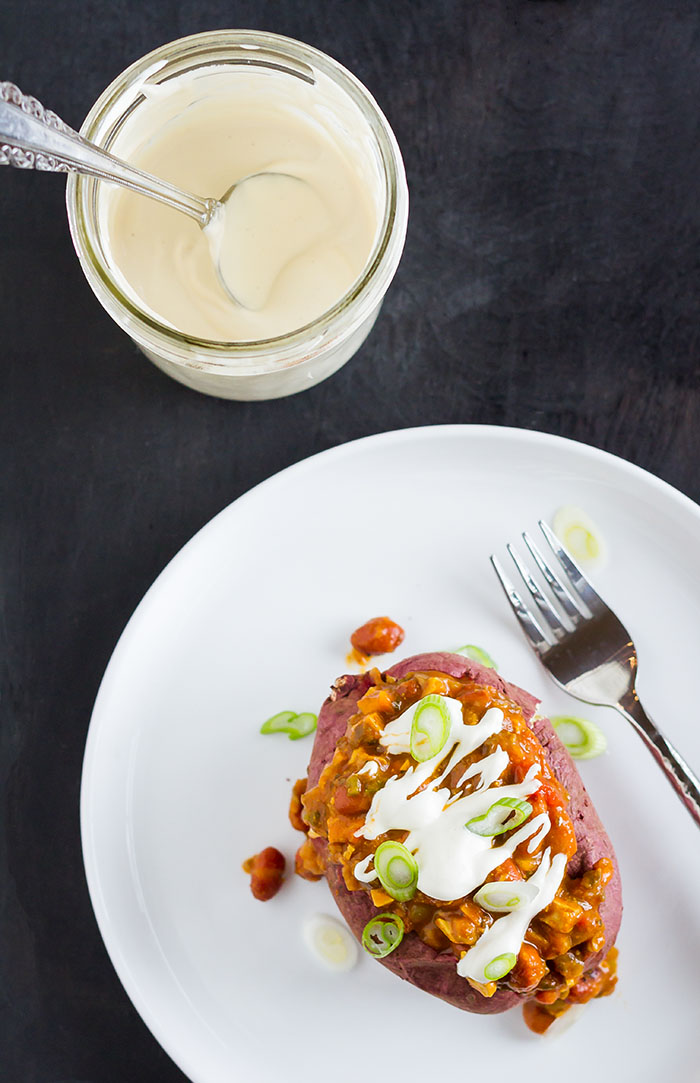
(266, 871)
(438, 801)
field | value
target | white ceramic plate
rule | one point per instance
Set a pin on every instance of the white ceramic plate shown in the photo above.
(253, 616)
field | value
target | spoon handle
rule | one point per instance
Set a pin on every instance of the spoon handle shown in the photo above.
(32, 137)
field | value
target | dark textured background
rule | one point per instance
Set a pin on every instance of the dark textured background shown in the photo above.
(550, 280)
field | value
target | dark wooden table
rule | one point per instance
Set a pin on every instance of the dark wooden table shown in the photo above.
(550, 281)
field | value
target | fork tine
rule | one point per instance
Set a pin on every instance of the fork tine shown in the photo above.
(536, 637)
(576, 577)
(557, 587)
(543, 604)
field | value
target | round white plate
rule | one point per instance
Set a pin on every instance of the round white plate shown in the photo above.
(252, 617)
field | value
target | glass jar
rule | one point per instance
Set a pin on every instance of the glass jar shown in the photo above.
(273, 367)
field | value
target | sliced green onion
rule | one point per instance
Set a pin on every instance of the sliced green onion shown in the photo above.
(579, 534)
(278, 723)
(477, 654)
(302, 725)
(583, 739)
(331, 942)
(430, 728)
(382, 935)
(294, 725)
(504, 896)
(500, 966)
(397, 870)
(354, 785)
(504, 815)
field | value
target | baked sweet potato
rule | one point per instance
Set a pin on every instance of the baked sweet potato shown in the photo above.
(414, 960)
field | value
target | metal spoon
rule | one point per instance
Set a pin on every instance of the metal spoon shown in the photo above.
(32, 137)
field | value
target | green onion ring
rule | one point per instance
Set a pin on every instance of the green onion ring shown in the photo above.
(583, 739)
(477, 654)
(382, 935)
(504, 815)
(505, 896)
(579, 534)
(500, 966)
(430, 728)
(397, 870)
(294, 725)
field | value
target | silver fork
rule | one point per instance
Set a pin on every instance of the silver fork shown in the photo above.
(589, 653)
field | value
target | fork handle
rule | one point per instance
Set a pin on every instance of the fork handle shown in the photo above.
(684, 781)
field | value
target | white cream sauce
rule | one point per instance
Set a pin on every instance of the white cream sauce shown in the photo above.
(506, 934)
(291, 245)
(452, 860)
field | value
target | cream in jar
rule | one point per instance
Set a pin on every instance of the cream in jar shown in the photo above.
(291, 250)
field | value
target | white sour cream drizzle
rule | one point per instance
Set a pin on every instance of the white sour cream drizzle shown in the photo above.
(453, 861)
(506, 934)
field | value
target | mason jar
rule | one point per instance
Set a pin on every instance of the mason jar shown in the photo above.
(270, 367)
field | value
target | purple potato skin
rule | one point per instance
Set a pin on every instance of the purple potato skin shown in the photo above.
(414, 961)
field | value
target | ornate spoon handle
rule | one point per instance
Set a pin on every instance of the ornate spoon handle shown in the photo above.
(15, 154)
(32, 137)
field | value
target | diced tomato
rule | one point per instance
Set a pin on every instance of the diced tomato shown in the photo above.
(350, 804)
(508, 870)
(529, 969)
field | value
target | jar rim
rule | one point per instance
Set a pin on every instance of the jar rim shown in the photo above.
(255, 356)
